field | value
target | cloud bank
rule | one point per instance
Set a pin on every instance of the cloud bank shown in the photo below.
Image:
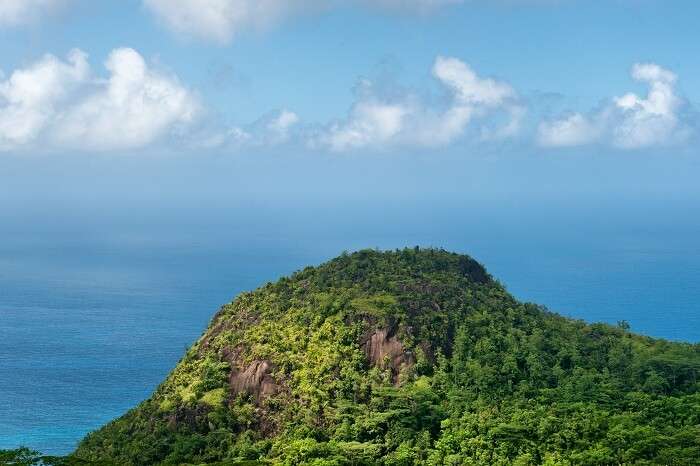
(627, 122)
(61, 104)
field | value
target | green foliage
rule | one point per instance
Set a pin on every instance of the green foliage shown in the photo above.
(26, 457)
(463, 374)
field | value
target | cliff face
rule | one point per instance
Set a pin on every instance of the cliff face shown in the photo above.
(411, 357)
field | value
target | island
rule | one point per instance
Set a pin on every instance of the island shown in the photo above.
(408, 357)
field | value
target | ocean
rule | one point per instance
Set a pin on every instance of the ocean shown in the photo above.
(92, 319)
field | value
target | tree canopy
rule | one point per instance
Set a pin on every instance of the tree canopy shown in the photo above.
(414, 356)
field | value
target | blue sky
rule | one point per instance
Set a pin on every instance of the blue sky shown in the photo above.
(528, 106)
(351, 76)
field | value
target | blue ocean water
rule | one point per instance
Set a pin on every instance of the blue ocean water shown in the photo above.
(91, 322)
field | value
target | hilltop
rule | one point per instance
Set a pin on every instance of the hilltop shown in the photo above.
(414, 356)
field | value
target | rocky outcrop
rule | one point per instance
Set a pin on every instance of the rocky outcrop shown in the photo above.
(255, 380)
(385, 350)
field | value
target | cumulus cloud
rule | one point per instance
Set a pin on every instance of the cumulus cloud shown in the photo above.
(62, 104)
(467, 86)
(30, 97)
(135, 106)
(627, 122)
(15, 12)
(379, 120)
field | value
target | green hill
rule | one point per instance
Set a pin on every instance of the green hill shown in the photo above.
(411, 357)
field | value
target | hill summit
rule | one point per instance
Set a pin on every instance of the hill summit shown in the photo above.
(414, 356)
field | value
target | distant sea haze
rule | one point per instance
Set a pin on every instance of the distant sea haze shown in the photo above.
(91, 323)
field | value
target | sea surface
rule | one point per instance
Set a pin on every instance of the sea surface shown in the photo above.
(91, 320)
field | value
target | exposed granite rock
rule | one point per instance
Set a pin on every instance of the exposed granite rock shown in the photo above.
(255, 379)
(385, 350)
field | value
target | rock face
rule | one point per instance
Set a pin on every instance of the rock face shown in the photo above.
(255, 380)
(385, 351)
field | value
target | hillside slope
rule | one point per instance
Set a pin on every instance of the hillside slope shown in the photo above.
(411, 357)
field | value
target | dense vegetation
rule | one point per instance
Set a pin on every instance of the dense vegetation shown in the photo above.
(411, 357)
(27, 457)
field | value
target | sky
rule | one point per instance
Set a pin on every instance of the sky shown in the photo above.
(172, 102)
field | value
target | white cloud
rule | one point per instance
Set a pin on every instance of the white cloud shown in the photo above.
(30, 98)
(134, 107)
(281, 124)
(573, 130)
(61, 104)
(468, 87)
(627, 122)
(377, 120)
(652, 120)
(221, 20)
(270, 130)
(15, 12)
(370, 122)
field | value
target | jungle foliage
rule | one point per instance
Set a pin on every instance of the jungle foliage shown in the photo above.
(413, 356)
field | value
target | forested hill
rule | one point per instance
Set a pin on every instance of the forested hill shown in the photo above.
(411, 357)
